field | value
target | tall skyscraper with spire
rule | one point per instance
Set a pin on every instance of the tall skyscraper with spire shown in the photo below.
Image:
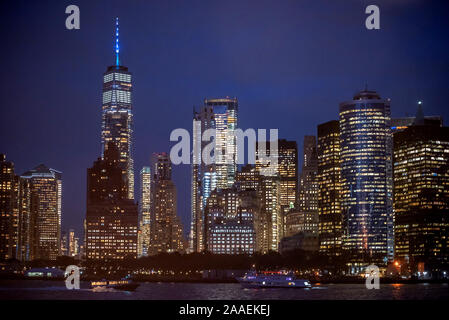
(117, 117)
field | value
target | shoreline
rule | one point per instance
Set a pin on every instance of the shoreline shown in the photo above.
(230, 280)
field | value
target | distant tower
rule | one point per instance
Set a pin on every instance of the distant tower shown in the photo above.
(166, 233)
(308, 185)
(117, 115)
(144, 211)
(366, 177)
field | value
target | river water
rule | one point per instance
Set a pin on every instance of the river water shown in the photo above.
(41, 289)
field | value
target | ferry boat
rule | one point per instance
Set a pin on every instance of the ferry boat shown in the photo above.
(122, 284)
(270, 279)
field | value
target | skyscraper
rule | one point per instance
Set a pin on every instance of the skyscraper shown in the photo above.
(421, 196)
(270, 224)
(117, 117)
(166, 229)
(144, 211)
(46, 186)
(366, 177)
(8, 209)
(111, 218)
(329, 185)
(288, 174)
(308, 185)
(220, 115)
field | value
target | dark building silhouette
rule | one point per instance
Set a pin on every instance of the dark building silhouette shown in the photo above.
(111, 217)
(8, 209)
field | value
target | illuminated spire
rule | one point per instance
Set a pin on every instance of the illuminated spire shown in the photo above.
(117, 45)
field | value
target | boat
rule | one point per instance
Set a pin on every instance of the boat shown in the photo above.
(272, 279)
(125, 284)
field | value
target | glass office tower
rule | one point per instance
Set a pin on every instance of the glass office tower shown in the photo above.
(46, 186)
(221, 115)
(366, 177)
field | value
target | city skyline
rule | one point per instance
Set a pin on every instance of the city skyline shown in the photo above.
(155, 139)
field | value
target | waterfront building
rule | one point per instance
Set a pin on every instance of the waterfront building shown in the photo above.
(329, 188)
(229, 219)
(8, 210)
(421, 196)
(117, 117)
(43, 218)
(112, 218)
(366, 179)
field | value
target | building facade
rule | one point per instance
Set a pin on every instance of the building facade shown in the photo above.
(8, 210)
(366, 179)
(329, 188)
(111, 218)
(144, 211)
(308, 185)
(45, 186)
(166, 234)
(270, 223)
(230, 215)
(219, 115)
(288, 174)
(421, 196)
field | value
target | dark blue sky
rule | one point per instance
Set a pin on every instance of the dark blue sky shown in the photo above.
(288, 62)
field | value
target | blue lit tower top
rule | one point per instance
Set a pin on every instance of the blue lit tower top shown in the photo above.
(117, 45)
(117, 115)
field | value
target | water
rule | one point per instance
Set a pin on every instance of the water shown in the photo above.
(41, 289)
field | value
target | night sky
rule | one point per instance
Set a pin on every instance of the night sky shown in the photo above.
(290, 63)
